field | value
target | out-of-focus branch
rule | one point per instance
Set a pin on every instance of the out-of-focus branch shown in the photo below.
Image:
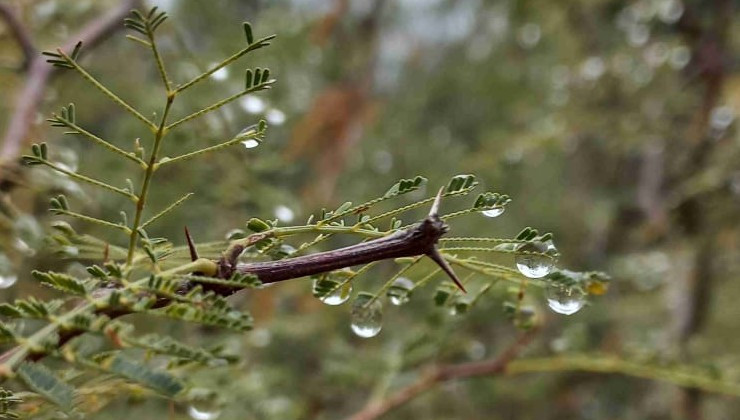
(39, 74)
(439, 374)
(20, 33)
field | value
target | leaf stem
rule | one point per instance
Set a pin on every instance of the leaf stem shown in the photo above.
(253, 46)
(141, 203)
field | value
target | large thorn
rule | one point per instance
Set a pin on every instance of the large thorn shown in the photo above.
(445, 266)
(434, 211)
(191, 245)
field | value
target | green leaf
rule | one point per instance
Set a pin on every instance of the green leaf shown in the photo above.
(232, 319)
(162, 382)
(461, 182)
(257, 225)
(76, 52)
(62, 282)
(30, 308)
(248, 32)
(40, 379)
(490, 200)
(404, 186)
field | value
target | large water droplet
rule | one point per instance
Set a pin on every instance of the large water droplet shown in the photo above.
(367, 315)
(400, 291)
(494, 212)
(565, 300)
(531, 263)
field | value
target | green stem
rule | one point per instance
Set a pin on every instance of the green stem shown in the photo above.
(141, 203)
(93, 220)
(89, 180)
(160, 63)
(221, 103)
(219, 146)
(103, 143)
(253, 46)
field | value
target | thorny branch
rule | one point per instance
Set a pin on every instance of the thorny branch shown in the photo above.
(420, 239)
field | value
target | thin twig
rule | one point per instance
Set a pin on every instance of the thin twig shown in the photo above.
(439, 374)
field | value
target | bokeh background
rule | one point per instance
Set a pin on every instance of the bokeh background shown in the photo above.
(611, 123)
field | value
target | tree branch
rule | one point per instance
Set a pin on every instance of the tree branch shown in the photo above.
(21, 35)
(436, 375)
(40, 73)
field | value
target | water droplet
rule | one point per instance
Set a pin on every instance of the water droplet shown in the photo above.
(565, 300)
(367, 315)
(252, 104)
(204, 405)
(399, 292)
(329, 292)
(494, 212)
(284, 214)
(7, 280)
(251, 143)
(275, 116)
(531, 262)
(220, 74)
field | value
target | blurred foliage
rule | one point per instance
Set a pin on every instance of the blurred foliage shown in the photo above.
(612, 124)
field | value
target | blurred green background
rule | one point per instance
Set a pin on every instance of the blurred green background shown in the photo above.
(610, 123)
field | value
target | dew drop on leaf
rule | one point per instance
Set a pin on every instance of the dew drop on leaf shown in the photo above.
(366, 316)
(336, 296)
(531, 262)
(250, 144)
(494, 212)
(399, 292)
(565, 300)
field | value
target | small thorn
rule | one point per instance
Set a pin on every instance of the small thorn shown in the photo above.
(445, 266)
(434, 211)
(191, 245)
